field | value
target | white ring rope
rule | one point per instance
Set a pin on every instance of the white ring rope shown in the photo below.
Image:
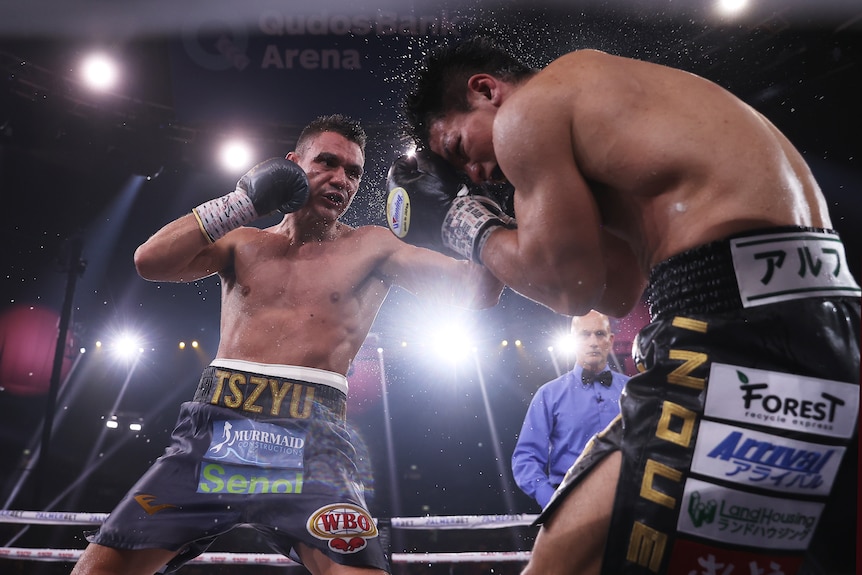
(275, 559)
(52, 517)
(427, 522)
(440, 522)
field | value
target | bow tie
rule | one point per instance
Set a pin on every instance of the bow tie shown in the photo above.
(604, 378)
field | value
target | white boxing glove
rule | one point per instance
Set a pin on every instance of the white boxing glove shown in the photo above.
(469, 223)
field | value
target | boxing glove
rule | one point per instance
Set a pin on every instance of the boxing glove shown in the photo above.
(470, 221)
(421, 189)
(273, 185)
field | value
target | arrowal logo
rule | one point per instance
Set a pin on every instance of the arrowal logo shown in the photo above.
(345, 526)
(763, 460)
(782, 400)
(398, 211)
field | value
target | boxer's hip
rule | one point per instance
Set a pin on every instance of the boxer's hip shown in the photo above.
(266, 391)
(750, 270)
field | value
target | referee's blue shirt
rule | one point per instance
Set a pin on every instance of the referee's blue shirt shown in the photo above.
(563, 415)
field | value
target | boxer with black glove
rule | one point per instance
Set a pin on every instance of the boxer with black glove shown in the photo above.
(273, 185)
(430, 206)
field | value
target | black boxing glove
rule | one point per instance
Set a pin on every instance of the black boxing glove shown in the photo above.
(469, 223)
(273, 185)
(421, 190)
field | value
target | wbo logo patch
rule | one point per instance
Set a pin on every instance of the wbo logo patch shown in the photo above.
(346, 527)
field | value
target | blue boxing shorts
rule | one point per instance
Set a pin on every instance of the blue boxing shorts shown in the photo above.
(741, 419)
(261, 445)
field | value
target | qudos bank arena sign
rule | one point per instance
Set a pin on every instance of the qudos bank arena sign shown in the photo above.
(292, 67)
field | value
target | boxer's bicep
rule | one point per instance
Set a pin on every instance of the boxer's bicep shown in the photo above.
(555, 256)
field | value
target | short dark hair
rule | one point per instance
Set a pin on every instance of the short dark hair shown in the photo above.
(337, 123)
(441, 83)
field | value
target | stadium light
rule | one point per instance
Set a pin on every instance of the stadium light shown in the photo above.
(451, 341)
(235, 155)
(99, 72)
(126, 346)
(731, 7)
(564, 344)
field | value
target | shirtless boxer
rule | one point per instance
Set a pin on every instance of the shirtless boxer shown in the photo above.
(264, 441)
(630, 174)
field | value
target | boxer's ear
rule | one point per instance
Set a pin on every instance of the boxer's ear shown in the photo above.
(484, 87)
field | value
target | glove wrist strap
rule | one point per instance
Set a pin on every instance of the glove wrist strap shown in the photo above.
(479, 244)
(470, 222)
(219, 216)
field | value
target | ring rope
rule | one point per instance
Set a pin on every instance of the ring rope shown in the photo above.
(444, 522)
(426, 522)
(70, 555)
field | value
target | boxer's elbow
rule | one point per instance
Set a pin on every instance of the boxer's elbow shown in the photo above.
(489, 298)
(565, 287)
(146, 262)
(566, 301)
(485, 289)
(152, 264)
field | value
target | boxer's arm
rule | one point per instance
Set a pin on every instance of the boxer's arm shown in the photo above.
(433, 275)
(559, 255)
(192, 247)
(179, 252)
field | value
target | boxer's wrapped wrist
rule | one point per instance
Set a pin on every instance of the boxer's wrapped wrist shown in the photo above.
(470, 222)
(219, 216)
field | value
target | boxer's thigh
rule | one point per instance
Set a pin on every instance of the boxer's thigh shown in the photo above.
(573, 539)
(100, 560)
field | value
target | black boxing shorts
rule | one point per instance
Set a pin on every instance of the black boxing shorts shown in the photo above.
(737, 425)
(261, 445)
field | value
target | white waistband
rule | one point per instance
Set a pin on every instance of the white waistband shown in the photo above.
(308, 374)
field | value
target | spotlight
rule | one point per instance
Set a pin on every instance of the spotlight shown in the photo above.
(731, 7)
(112, 422)
(124, 346)
(451, 341)
(565, 344)
(99, 72)
(235, 155)
(127, 346)
(135, 426)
